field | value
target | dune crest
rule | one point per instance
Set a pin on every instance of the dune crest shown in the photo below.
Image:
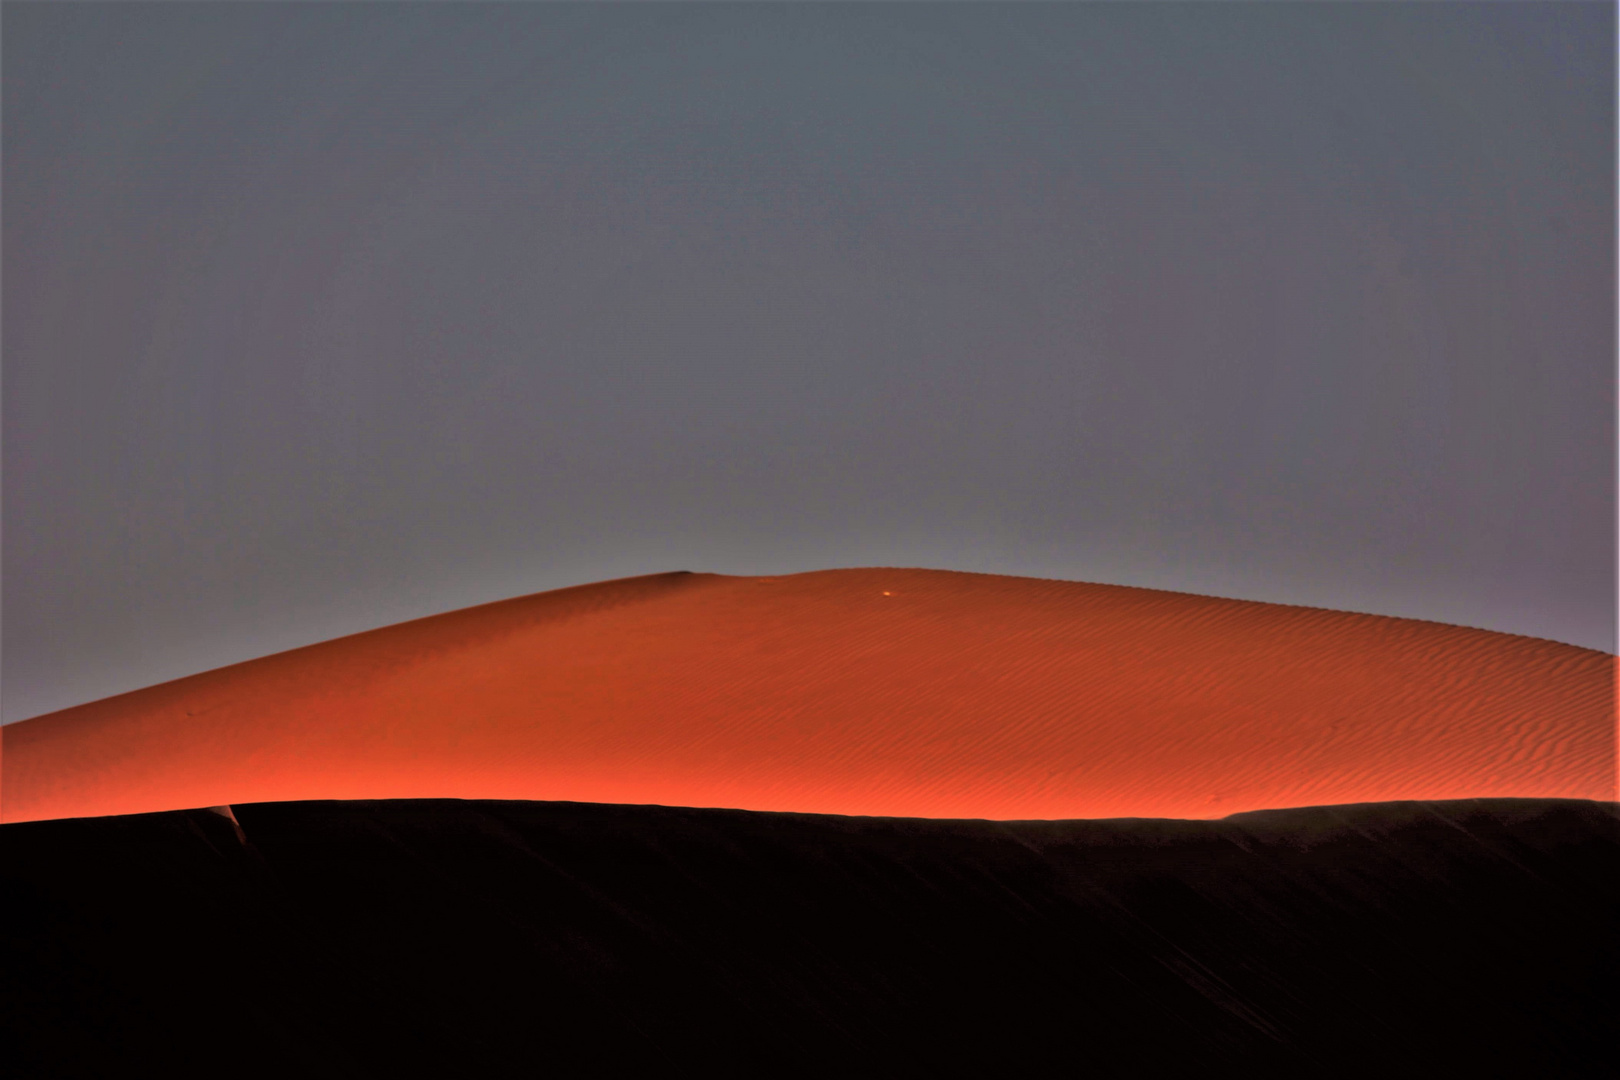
(874, 692)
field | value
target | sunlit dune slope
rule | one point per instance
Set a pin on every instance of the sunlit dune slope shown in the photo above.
(883, 692)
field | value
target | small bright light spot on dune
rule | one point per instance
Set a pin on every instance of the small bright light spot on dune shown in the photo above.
(887, 593)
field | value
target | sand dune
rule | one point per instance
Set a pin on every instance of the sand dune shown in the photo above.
(875, 691)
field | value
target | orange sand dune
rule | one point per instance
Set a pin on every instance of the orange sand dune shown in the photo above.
(885, 692)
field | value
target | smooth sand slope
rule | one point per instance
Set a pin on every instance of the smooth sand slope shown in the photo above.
(875, 692)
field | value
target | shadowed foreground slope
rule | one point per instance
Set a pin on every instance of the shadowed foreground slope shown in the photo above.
(915, 693)
(499, 938)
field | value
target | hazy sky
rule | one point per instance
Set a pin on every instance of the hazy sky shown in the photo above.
(322, 316)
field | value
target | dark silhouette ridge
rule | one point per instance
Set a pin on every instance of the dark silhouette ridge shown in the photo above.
(445, 938)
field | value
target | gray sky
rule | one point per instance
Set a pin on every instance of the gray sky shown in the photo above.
(322, 316)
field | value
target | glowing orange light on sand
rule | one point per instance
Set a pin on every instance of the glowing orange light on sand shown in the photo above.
(979, 696)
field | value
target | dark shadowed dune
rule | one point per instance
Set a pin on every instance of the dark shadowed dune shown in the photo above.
(447, 938)
(917, 693)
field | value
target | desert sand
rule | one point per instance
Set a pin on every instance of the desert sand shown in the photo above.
(857, 692)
